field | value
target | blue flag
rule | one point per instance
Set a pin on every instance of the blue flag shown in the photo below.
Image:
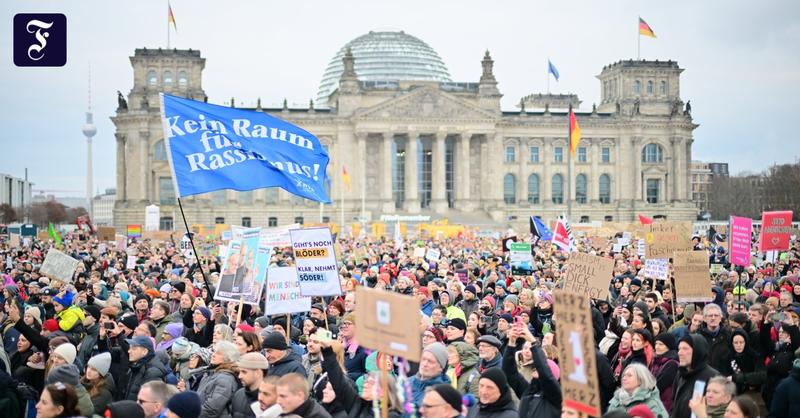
(552, 69)
(212, 147)
(539, 230)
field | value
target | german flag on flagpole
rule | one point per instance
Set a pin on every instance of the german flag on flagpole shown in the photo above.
(171, 17)
(644, 29)
(574, 132)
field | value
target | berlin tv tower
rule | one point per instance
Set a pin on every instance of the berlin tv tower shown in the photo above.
(89, 130)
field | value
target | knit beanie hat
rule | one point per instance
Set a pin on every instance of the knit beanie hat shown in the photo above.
(125, 409)
(641, 411)
(471, 289)
(491, 301)
(130, 321)
(93, 311)
(439, 351)
(35, 313)
(497, 377)
(50, 325)
(185, 404)
(668, 339)
(205, 311)
(252, 361)
(275, 341)
(65, 373)
(101, 363)
(67, 351)
(512, 299)
(450, 395)
(65, 300)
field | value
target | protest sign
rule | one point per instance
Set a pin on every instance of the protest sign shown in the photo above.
(641, 249)
(716, 268)
(278, 236)
(775, 230)
(185, 247)
(130, 264)
(617, 248)
(588, 274)
(433, 254)
(692, 281)
(239, 269)
(134, 231)
(223, 252)
(106, 233)
(577, 360)
(227, 235)
(315, 259)
(740, 240)
(59, 266)
(121, 242)
(388, 322)
(13, 240)
(206, 248)
(419, 252)
(102, 248)
(521, 254)
(656, 268)
(664, 238)
(213, 147)
(42, 236)
(283, 292)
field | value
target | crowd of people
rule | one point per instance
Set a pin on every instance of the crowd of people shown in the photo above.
(150, 341)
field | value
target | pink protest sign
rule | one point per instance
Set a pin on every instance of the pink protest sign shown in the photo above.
(740, 233)
(775, 228)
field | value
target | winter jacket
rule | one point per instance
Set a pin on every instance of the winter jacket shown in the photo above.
(497, 361)
(313, 365)
(291, 363)
(161, 325)
(622, 401)
(502, 408)
(203, 336)
(241, 401)
(69, 318)
(104, 397)
(698, 371)
(88, 346)
(146, 369)
(665, 368)
(85, 405)
(467, 377)
(308, 409)
(345, 389)
(355, 359)
(786, 398)
(719, 346)
(419, 385)
(468, 306)
(216, 391)
(540, 398)
(746, 369)
(780, 362)
(605, 379)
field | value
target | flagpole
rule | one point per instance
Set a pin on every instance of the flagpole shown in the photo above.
(168, 9)
(569, 164)
(191, 241)
(341, 208)
(638, 41)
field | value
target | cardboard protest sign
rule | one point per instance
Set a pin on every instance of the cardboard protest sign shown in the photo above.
(157, 236)
(278, 236)
(206, 248)
(433, 254)
(775, 230)
(656, 268)
(588, 274)
(716, 268)
(13, 241)
(419, 252)
(121, 242)
(106, 233)
(315, 259)
(283, 292)
(692, 281)
(388, 322)
(58, 266)
(41, 236)
(577, 360)
(238, 270)
(665, 238)
(740, 239)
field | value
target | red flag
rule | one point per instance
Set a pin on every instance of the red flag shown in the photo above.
(562, 236)
(645, 220)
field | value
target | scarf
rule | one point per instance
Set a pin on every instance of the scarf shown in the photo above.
(622, 354)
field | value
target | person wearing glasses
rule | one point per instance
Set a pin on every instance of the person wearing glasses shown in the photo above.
(153, 398)
(441, 401)
(717, 335)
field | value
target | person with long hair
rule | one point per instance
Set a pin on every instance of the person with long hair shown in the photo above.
(247, 342)
(742, 407)
(98, 382)
(623, 352)
(641, 348)
(57, 401)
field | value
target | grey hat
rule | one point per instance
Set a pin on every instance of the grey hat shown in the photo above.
(66, 373)
(439, 351)
(491, 340)
(101, 363)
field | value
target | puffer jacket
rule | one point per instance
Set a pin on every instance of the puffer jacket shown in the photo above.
(419, 385)
(622, 401)
(502, 408)
(540, 398)
(104, 397)
(241, 401)
(467, 377)
(291, 363)
(147, 369)
(69, 318)
(216, 390)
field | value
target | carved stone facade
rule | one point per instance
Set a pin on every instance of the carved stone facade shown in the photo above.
(440, 148)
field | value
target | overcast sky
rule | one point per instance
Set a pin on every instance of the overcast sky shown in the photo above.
(741, 61)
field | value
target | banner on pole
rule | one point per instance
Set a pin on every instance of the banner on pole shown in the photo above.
(134, 231)
(388, 322)
(283, 292)
(775, 230)
(588, 274)
(315, 259)
(239, 269)
(692, 280)
(740, 240)
(211, 147)
(59, 266)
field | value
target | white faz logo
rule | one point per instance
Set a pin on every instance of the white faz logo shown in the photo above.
(35, 51)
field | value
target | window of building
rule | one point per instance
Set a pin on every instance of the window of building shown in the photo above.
(533, 189)
(160, 151)
(558, 154)
(662, 88)
(165, 223)
(166, 191)
(247, 222)
(399, 172)
(326, 219)
(582, 154)
(298, 220)
(653, 186)
(218, 197)
(605, 188)
(608, 218)
(271, 195)
(219, 220)
(511, 154)
(183, 79)
(168, 78)
(637, 86)
(245, 198)
(152, 78)
(605, 154)
(584, 219)
(558, 189)
(510, 189)
(650, 87)
(652, 154)
(580, 188)
(425, 167)
(272, 221)
(534, 154)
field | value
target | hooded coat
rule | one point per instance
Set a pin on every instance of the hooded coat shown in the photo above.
(290, 363)
(781, 360)
(698, 371)
(540, 398)
(746, 369)
(786, 399)
(502, 408)
(466, 376)
(665, 368)
(622, 401)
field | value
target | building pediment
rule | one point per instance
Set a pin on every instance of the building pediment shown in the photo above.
(425, 102)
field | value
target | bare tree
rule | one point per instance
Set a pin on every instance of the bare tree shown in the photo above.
(41, 213)
(7, 214)
(749, 194)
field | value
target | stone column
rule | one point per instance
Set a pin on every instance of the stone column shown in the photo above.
(593, 182)
(546, 182)
(495, 172)
(122, 174)
(523, 155)
(462, 162)
(144, 164)
(361, 172)
(439, 192)
(412, 177)
(638, 190)
(387, 200)
(675, 168)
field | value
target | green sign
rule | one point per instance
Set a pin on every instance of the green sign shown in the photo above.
(520, 246)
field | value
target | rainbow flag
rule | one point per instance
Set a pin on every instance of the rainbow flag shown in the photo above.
(171, 17)
(644, 29)
(574, 132)
(134, 231)
(346, 178)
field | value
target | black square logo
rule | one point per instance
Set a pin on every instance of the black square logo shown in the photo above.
(40, 40)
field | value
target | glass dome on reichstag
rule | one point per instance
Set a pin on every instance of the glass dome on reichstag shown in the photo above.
(385, 56)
